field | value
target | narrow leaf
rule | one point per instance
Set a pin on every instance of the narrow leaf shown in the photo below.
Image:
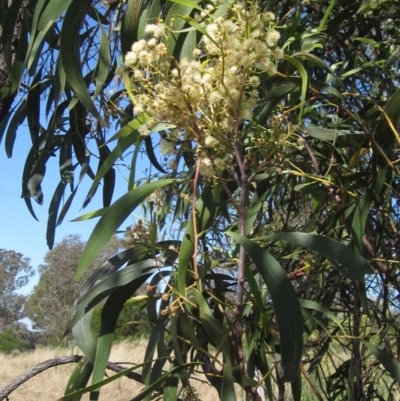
(304, 81)
(112, 283)
(109, 317)
(16, 120)
(345, 259)
(388, 362)
(130, 24)
(103, 62)
(113, 218)
(70, 52)
(228, 388)
(359, 221)
(80, 376)
(82, 332)
(151, 155)
(53, 211)
(109, 161)
(154, 386)
(286, 305)
(90, 215)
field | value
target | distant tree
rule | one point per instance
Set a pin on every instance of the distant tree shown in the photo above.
(17, 337)
(51, 303)
(8, 342)
(15, 272)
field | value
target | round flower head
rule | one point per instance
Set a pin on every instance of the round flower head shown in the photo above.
(213, 91)
(254, 81)
(273, 37)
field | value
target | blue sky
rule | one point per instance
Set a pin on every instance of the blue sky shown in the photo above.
(19, 230)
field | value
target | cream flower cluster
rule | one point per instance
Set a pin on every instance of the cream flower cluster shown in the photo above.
(209, 97)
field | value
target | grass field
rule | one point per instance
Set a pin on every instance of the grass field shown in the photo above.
(50, 384)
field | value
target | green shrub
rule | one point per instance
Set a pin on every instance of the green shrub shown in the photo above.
(9, 342)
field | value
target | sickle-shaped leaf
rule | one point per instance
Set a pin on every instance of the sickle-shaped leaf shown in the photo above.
(304, 81)
(32, 176)
(359, 221)
(308, 304)
(35, 47)
(68, 203)
(66, 165)
(228, 389)
(46, 13)
(342, 138)
(16, 120)
(114, 216)
(109, 161)
(70, 52)
(345, 259)
(185, 257)
(183, 49)
(322, 64)
(388, 362)
(285, 301)
(53, 11)
(103, 62)
(28, 203)
(170, 392)
(59, 83)
(132, 173)
(217, 334)
(4, 124)
(109, 316)
(109, 176)
(151, 155)
(155, 339)
(138, 253)
(79, 130)
(53, 211)
(90, 215)
(80, 376)
(296, 387)
(154, 386)
(276, 89)
(112, 283)
(130, 24)
(82, 332)
(75, 395)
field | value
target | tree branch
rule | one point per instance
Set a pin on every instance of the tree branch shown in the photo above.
(41, 367)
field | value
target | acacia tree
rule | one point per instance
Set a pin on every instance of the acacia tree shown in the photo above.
(277, 180)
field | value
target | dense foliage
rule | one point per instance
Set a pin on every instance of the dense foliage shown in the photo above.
(51, 303)
(271, 213)
(16, 337)
(15, 271)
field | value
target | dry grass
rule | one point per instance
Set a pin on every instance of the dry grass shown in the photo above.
(50, 384)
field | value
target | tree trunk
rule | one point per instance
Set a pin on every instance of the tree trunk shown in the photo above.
(6, 100)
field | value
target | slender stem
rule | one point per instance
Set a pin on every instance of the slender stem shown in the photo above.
(194, 217)
(244, 182)
(358, 388)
